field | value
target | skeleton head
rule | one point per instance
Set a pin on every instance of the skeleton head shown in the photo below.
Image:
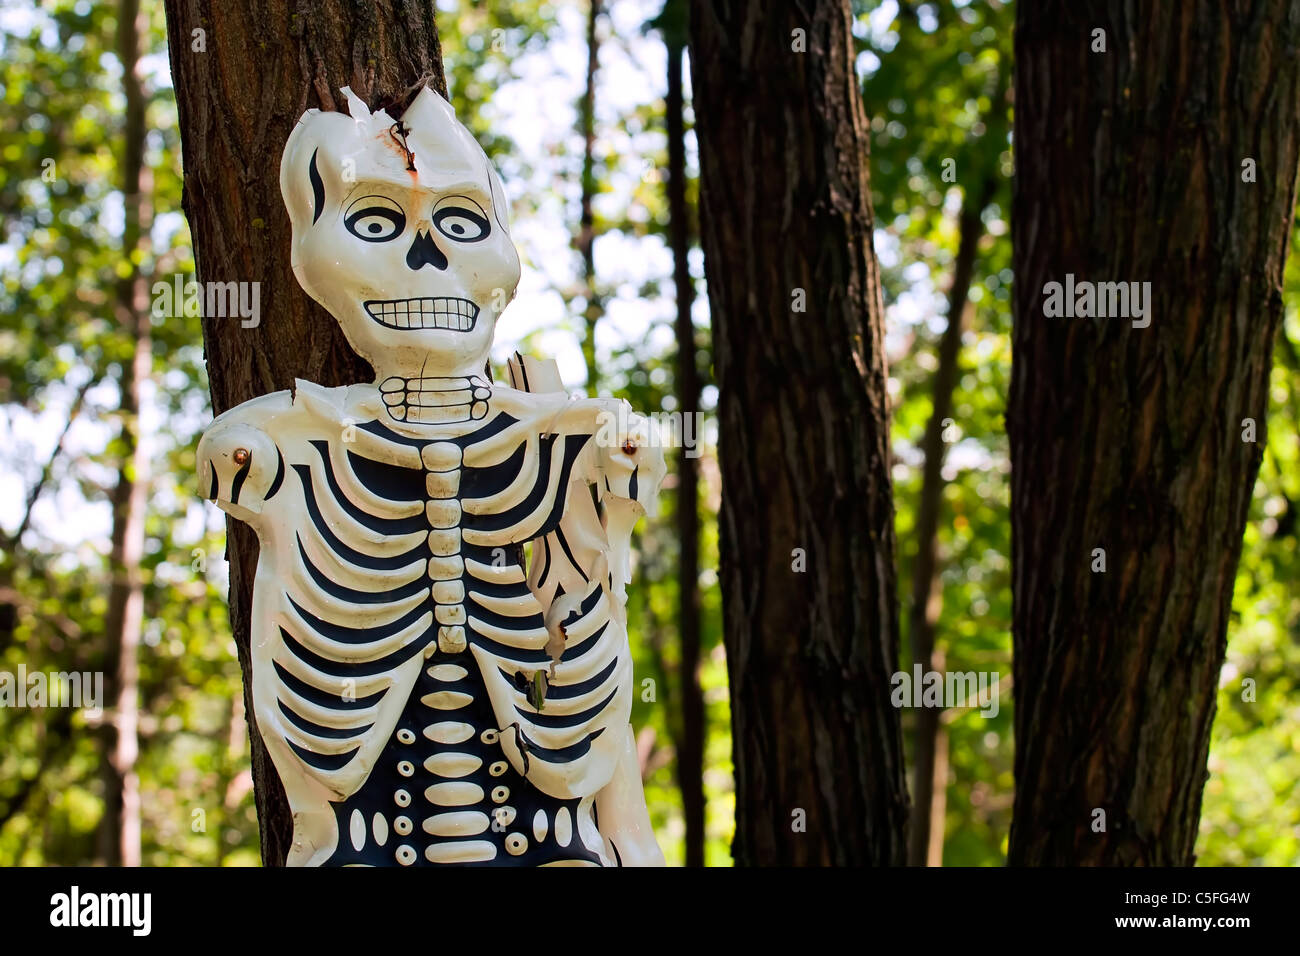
(400, 230)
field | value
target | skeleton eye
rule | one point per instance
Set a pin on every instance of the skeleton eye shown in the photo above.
(461, 219)
(375, 219)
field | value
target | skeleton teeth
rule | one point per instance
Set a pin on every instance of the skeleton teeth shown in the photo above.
(428, 312)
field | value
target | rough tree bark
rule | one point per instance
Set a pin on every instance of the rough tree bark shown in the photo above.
(241, 85)
(690, 751)
(1131, 439)
(119, 831)
(804, 434)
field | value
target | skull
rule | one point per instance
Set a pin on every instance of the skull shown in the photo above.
(400, 230)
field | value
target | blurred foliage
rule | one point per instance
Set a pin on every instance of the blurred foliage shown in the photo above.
(60, 85)
(60, 134)
(935, 78)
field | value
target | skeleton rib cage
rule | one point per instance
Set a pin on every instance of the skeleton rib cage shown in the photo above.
(395, 637)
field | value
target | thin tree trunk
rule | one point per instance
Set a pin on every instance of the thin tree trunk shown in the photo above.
(587, 225)
(265, 62)
(1127, 442)
(229, 763)
(119, 833)
(806, 525)
(690, 755)
(938, 806)
(939, 802)
(923, 612)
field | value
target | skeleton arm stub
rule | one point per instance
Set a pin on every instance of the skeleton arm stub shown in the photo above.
(617, 479)
(240, 467)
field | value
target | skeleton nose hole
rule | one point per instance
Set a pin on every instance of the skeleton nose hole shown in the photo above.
(424, 251)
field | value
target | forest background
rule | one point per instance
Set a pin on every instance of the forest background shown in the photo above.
(583, 152)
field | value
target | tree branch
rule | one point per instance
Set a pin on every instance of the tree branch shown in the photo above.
(12, 541)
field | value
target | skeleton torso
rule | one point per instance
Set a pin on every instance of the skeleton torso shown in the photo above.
(396, 636)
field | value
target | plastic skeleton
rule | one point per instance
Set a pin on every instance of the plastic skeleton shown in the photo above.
(423, 700)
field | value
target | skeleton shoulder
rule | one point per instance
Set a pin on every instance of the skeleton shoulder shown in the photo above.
(327, 404)
(539, 408)
(240, 465)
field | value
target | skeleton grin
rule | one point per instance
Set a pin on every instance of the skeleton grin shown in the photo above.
(427, 312)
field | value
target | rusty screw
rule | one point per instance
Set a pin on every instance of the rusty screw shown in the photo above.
(241, 456)
(629, 447)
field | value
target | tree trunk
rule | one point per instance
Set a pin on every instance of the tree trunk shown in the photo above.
(923, 612)
(937, 807)
(245, 70)
(690, 753)
(119, 831)
(806, 524)
(586, 239)
(1127, 442)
